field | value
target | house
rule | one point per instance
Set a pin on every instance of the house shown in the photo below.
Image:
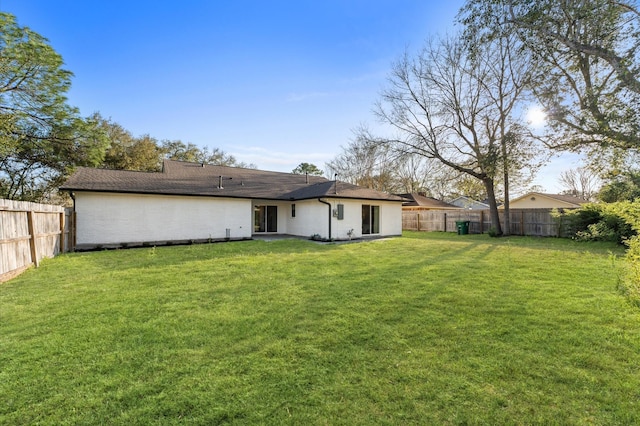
(469, 203)
(195, 202)
(422, 202)
(538, 200)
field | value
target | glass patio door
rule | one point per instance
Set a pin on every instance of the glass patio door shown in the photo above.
(370, 219)
(265, 219)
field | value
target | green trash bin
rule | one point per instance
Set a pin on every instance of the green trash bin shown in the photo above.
(463, 227)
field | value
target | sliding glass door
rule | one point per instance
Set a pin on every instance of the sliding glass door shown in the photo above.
(265, 219)
(370, 219)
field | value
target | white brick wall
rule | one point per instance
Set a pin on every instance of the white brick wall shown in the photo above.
(105, 218)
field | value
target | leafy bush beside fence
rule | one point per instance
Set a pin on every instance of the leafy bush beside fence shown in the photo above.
(630, 211)
(619, 222)
(598, 222)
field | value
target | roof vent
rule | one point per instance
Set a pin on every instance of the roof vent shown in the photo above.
(220, 179)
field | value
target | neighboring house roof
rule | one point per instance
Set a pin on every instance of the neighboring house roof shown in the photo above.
(559, 199)
(183, 178)
(469, 203)
(418, 200)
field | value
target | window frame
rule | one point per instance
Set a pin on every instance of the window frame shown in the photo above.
(370, 219)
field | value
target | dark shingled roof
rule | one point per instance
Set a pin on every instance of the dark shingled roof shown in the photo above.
(416, 200)
(182, 178)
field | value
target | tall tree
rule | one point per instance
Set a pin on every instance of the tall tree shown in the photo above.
(581, 182)
(586, 64)
(416, 173)
(307, 168)
(178, 150)
(368, 161)
(621, 187)
(471, 187)
(457, 106)
(363, 162)
(42, 138)
(126, 152)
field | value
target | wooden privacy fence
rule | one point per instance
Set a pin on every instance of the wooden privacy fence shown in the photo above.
(535, 222)
(30, 232)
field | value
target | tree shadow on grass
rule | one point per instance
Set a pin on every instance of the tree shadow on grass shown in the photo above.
(529, 242)
(174, 255)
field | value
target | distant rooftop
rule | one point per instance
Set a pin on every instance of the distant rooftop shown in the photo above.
(418, 200)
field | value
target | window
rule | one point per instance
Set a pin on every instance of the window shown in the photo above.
(265, 219)
(370, 219)
(293, 210)
(340, 211)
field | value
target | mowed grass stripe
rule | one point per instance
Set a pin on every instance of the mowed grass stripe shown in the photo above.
(429, 328)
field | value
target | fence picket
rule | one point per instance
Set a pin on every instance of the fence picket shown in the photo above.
(532, 222)
(30, 232)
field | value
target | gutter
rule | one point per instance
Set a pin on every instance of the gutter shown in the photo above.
(330, 207)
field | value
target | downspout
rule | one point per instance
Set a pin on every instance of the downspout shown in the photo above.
(73, 197)
(328, 204)
(72, 225)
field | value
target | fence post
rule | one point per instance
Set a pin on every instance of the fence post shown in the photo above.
(418, 214)
(62, 236)
(445, 222)
(32, 239)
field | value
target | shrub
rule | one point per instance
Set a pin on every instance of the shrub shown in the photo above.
(630, 283)
(630, 212)
(579, 220)
(599, 222)
(619, 222)
(599, 231)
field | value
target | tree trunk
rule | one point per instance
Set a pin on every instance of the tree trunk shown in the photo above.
(507, 212)
(493, 206)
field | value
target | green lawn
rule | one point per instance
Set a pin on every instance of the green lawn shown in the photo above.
(425, 329)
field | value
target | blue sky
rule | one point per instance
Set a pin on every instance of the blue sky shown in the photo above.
(274, 83)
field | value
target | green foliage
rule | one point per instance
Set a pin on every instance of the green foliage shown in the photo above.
(618, 222)
(598, 222)
(471, 187)
(599, 231)
(425, 329)
(145, 153)
(42, 138)
(623, 187)
(126, 152)
(493, 232)
(307, 168)
(631, 281)
(178, 150)
(630, 212)
(584, 59)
